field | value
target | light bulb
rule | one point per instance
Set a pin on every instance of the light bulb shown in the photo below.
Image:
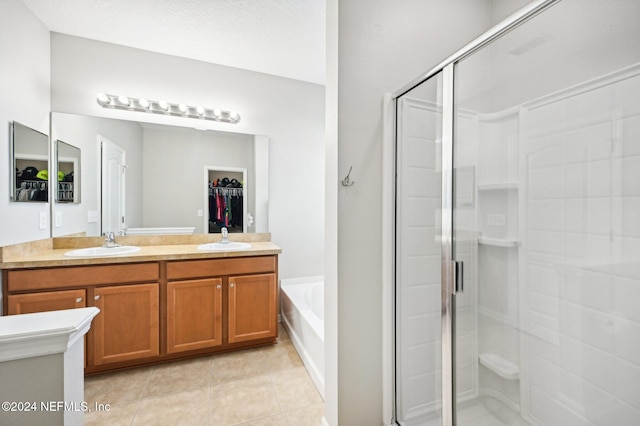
(163, 105)
(124, 100)
(217, 113)
(233, 115)
(103, 99)
(182, 108)
(144, 103)
(200, 111)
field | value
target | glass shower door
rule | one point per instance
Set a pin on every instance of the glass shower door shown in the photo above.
(546, 220)
(418, 283)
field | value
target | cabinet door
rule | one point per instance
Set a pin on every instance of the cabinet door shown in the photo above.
(194, 314)
(127, 326)
(252, 307)
(45, 301)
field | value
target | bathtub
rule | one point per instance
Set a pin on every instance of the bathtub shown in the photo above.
(302, 308)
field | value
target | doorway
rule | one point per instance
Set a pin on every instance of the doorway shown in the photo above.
(225, 202)
(113, 186)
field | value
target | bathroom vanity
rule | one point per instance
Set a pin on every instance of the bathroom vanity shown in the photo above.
(161, 303)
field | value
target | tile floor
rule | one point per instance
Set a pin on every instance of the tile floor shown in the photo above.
(265, 386)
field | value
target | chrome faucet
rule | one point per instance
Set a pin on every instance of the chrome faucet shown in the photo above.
(225, 236)
(110, 240)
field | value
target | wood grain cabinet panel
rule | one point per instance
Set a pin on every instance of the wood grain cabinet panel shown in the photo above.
(127, 327)
(252, 307)
(46, 301)
(194, 314)
(81, 276)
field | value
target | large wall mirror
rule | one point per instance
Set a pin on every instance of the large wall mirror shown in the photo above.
(143, 178)
(29, 151)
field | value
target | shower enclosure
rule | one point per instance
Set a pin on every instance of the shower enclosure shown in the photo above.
(517, 225)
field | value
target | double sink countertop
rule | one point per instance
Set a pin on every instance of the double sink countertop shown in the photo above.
(51, 251)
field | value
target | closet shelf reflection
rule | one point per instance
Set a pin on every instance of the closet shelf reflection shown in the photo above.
(221, 190)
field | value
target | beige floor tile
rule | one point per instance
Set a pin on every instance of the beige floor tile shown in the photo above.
(182, 408)
(118, 415)
(265, 386)
(116, 388)
(179, 376)
(282, 355)
(294, 388)
(268, 421)
(238, 365)
(306, 416)
(283, 336)
(243, 400)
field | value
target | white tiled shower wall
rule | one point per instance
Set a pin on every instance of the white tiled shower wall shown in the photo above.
(580, 278)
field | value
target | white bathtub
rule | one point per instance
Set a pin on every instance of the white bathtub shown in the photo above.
(302, 306)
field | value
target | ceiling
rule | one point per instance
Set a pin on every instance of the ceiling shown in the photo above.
(280, 37)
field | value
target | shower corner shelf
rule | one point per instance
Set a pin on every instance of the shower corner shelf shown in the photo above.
(500, 366)
(498, 242)
(497, 186)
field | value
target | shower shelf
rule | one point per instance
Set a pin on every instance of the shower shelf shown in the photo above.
(498, 242)
(497, 186)
(500, 366)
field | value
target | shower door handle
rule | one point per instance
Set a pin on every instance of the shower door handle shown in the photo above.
(458, 276)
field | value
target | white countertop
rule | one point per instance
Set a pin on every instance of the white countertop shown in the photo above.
(43, 333)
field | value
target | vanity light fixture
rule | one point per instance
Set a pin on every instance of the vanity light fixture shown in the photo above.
(167, 108)
(103, 99)
(124, 100)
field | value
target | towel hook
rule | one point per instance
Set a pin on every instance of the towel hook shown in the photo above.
(346, 181)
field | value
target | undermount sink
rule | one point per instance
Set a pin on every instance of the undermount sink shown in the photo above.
(102, 251)
(231, 245)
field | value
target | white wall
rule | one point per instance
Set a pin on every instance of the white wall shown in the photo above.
(382, 46)
(24, 97)
(173, 164)
(289, 112)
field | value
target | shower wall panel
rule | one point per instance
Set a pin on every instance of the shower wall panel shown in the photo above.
(581, 195)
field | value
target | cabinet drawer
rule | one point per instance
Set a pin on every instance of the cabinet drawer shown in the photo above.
(220, 267)
(46, 301)
(76, 276)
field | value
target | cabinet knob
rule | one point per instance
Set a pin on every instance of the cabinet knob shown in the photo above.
(79, 299)
(231, 285)
(96, 297)
(218, 286)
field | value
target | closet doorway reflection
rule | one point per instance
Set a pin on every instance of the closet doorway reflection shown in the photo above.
(226, 205)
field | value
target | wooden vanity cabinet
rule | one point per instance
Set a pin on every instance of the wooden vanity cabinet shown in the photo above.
(194, 314)
(243, 307)
(252, 307)
(127, 327)
(154, 311)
